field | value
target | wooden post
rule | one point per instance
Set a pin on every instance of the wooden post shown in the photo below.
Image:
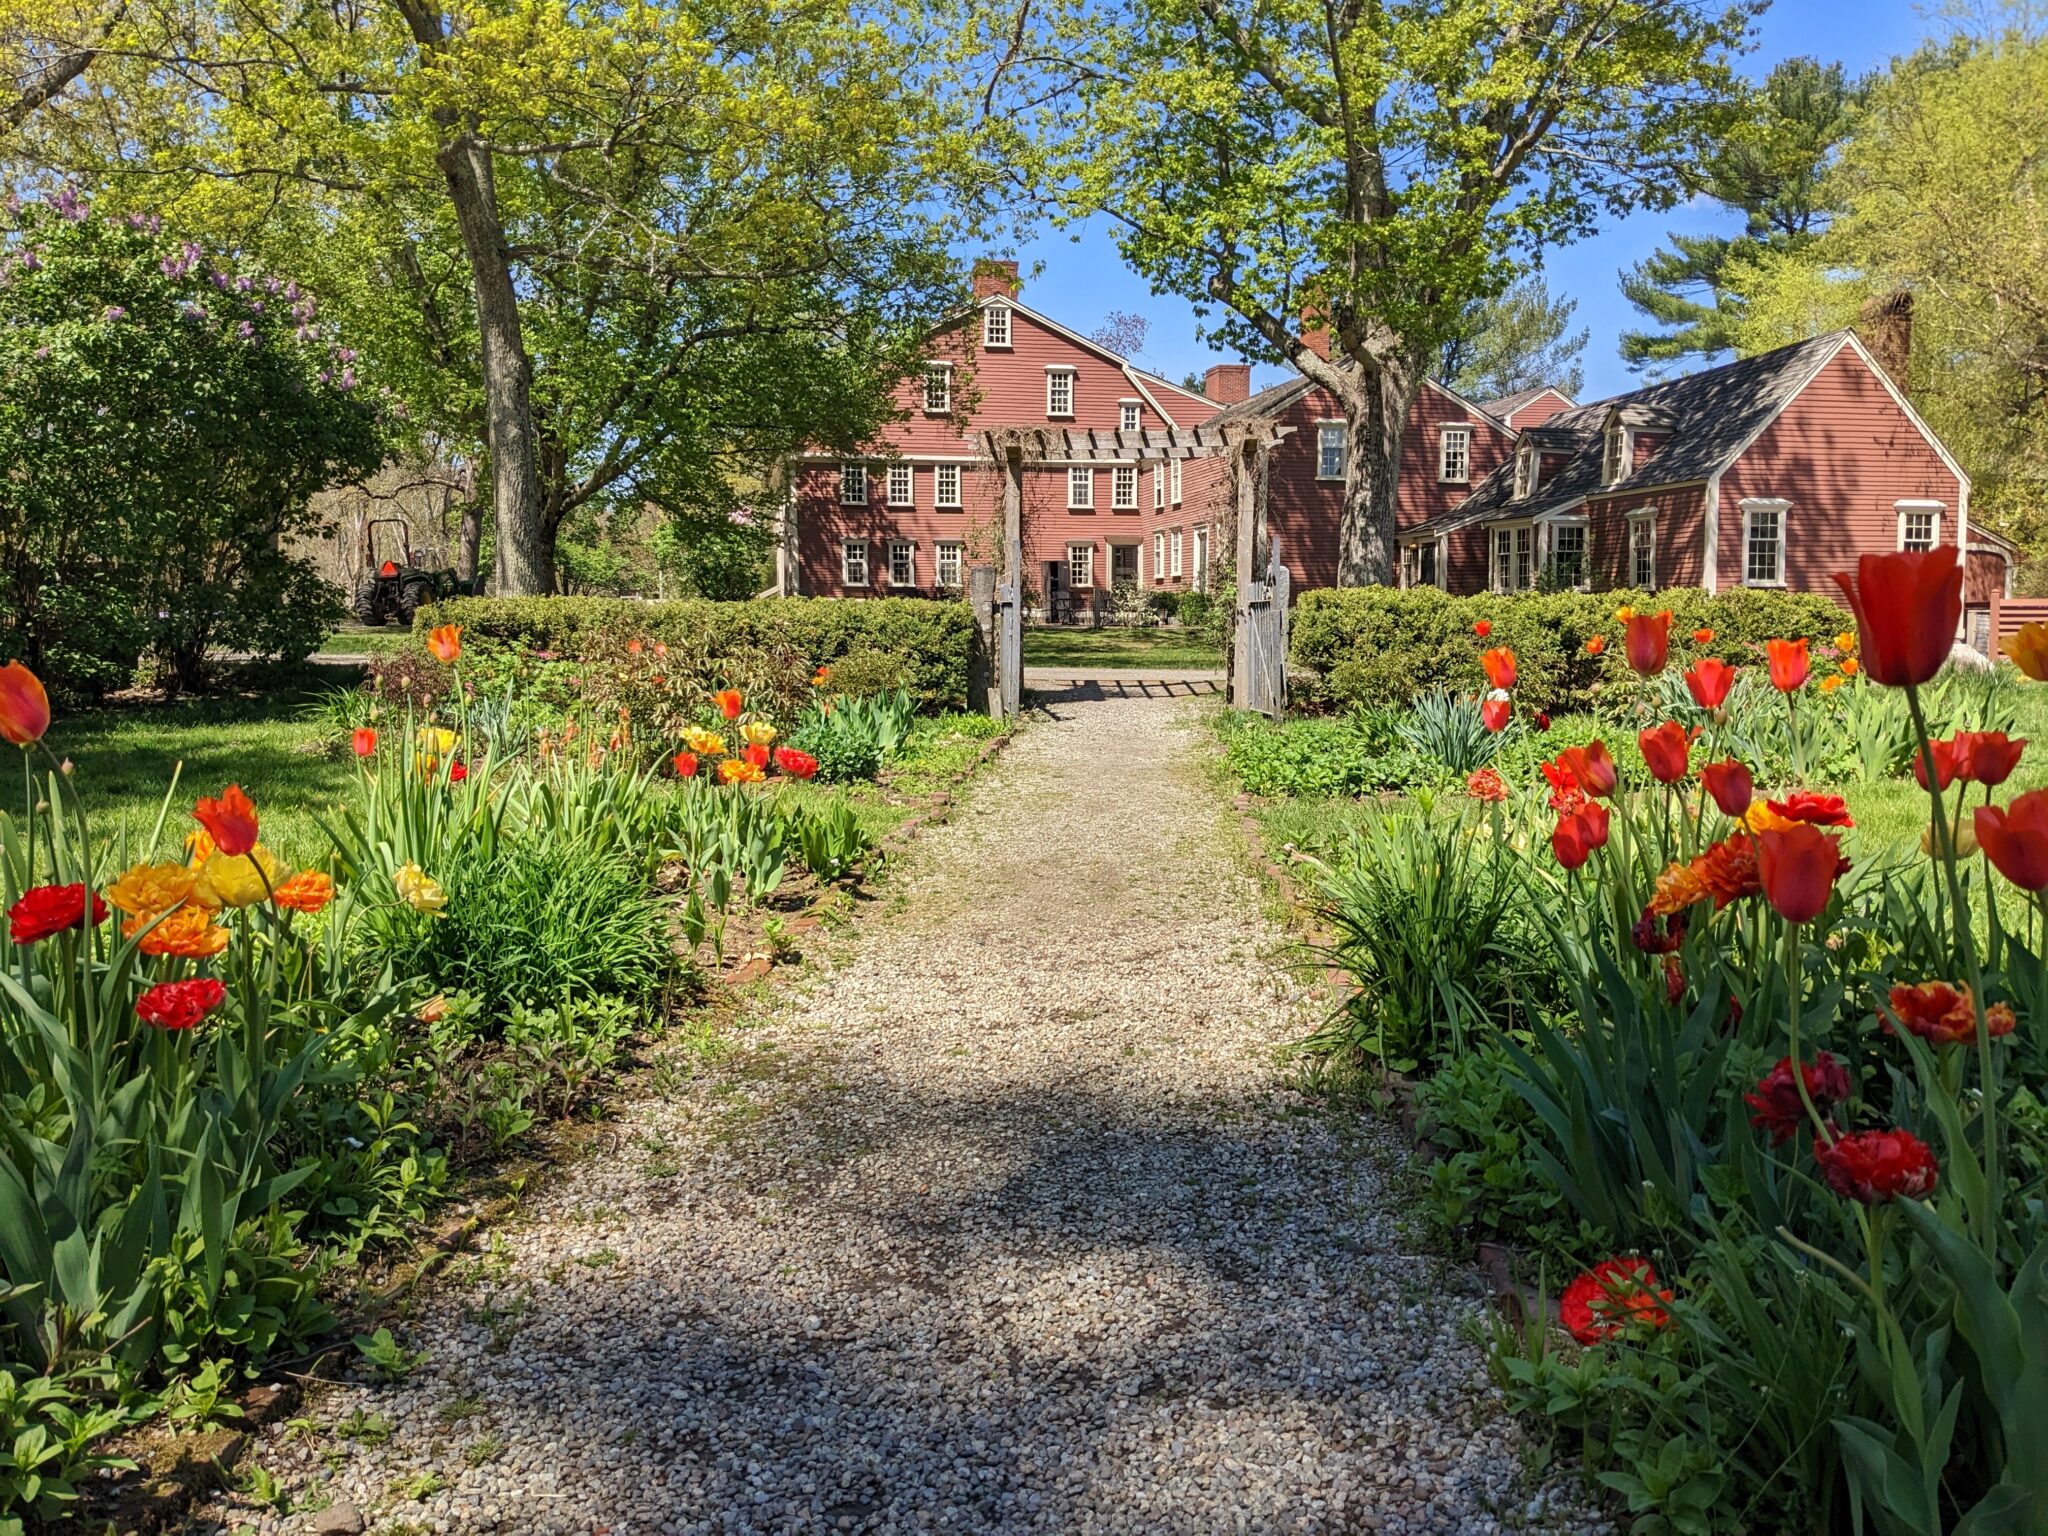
(981, 597)
(1245, 497)
(1009, 655)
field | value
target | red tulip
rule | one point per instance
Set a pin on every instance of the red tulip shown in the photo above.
(457, 771)
(1987, 757)
(1542, 720)
(1798, 865)
(1946, 761)
(364, 741)
(1703, 637)
(1876, 1166)
(1789, 664)
(1495, 712)
(1709, 682)
(1500, 667)
(2015, 839)
(1730, 785)
(1609, 1297)
(1667, 749)
(1591, 769)
(1822, 810)
(798, 765)
(1908, 608)
(1483, 628)
(230, 821)
(685, 764)
(24, 706)
(1579, 834)
(757, 754)
(1648, 637)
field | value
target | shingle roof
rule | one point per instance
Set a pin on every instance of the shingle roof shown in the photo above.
(1508, 404)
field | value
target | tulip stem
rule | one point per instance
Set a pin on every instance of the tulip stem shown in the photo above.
(1798, 1063)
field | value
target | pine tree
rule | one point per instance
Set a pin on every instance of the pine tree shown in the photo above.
(1521, 340)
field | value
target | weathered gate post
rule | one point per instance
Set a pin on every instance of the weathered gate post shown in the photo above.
(1009, 654)
(981, 598)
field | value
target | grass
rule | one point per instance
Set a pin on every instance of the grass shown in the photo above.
(1118, 648)
(354, 640)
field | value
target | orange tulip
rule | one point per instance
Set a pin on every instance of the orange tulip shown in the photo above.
(729, 702)
(1850, 666)
(230, 821)
(189, 933)
(1709, 682)
(1596, 645)
(1703, 637)
(1500, 667)
(1591, 768)
(446, 643)
(1789, 664)
(1908, 608)
(307, 891)
(363, 741)
(24, 706)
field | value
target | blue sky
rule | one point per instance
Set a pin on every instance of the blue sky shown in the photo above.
(1083, 280)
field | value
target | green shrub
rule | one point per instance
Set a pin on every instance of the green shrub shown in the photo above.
(846, 750)
(891, 642)
(1381, 647)
(1358, 755)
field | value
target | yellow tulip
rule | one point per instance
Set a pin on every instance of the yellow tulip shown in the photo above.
(758, 732)
(1761, 818)
(419, 890)
(148, 890)
(704, 743)
(236, 879)
(736, 770)
(1846, 640)
(1623, 614)
(2028, 648)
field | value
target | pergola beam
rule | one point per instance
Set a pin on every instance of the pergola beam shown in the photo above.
(1091, 446)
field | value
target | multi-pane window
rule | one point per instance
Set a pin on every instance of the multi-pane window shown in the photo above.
(1081, 487)
(1159, 485)
(1763, 554)
(1568, 554)
(1642, 553)
(946, 486)
(1080, 565)
(1059, 392)
(902, 563)
(899, 486)
(995, 326)
(1127, 416)
(1614, 454)
(947, 553)
(1418, 564)
(938, 389)
(1159, 556)
(1919, 527)
(1123, 488)
(1330, 451)
(853, 563)
(1174, 476)
(1454, 455)
(853, 485)
(1514, 551)
(1525, 471)
(1201, 559)
(1173, 553)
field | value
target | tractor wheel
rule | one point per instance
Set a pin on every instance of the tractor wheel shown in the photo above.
(367, 606)
(414, 593)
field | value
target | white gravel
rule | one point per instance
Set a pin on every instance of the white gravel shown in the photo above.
(1008, 1222)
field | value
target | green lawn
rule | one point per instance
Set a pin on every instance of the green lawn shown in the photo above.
(1118, 648)
(354, 640)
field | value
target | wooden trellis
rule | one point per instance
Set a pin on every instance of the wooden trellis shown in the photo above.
(1258, 649)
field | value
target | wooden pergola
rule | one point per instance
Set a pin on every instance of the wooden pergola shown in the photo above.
(1246, 443)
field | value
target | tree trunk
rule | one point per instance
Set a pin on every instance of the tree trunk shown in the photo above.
(1376, 399)
(524, 566)
(469, 542)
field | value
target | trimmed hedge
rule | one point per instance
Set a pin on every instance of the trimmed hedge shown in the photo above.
(1379, 647)
(880, 643)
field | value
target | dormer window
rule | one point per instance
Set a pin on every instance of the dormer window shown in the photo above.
(1614, 456)
(1525, 472)
(995, 326)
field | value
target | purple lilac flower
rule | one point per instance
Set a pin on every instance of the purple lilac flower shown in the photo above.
(347, 379)
(69, 205)
(245, 330)
(113, 312)
(244, 284)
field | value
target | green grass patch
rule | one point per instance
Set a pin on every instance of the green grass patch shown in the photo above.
(1119, 649)
(354, 640)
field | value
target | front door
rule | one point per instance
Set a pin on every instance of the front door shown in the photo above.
(1123, 564)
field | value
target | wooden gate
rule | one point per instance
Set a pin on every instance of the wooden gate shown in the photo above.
(1259, 680)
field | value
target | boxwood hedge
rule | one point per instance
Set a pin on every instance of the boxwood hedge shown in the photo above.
(914, 643)
(1378, 647)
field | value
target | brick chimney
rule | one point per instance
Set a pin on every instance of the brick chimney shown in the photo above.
(1887, 330)
(995, 278)
(1228, 383)
(1315, 332)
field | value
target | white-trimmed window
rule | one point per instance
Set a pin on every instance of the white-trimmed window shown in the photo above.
(1642, 549)
(1525, 471)
(1919, 524)
(1158, 485)
(853, 563)
(1568, 554)
(1763, 542)
(1330, 450)
(1454, 456)
(1123, 488)
(1080, 565)
(1081, 487)
(902, 563)
(946, 485)
(1173, 554)
(1201, 559)
(1422, 563)
(946, 558)
(1614, 454)
(938, 388)
(995, 326)
(1174, 476)
(853, 485)
(1059, 391)
(1127, 416)
(1514, 558)
(900, 486)
(1159, 555)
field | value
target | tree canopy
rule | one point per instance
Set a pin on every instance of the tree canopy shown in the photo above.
(1520, 340)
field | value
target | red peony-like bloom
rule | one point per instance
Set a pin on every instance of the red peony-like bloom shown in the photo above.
(1799, 865)
(2015, 838)
(798, 765)
(1876, 1166)
(1728, 870)
(1486, 784)
(1729, 783)
(1565, 794)
(1776, 1097)
(1944, 1013)
(1813, 807)
(1591, 768)
(1667, 750)
(1789, 664)
(179, 1004)
(1987, 757)
(47, 909)
(1495, 714)
(1647, 638)
(1709, 682)
(1611, 1296)
(1579, 834)
(1908, 607)
(1499, 665)
(1659, 938)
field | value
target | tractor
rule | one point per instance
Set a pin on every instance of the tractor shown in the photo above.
(396, 587)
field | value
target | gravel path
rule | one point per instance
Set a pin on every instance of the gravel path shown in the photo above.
(1007, 1223)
